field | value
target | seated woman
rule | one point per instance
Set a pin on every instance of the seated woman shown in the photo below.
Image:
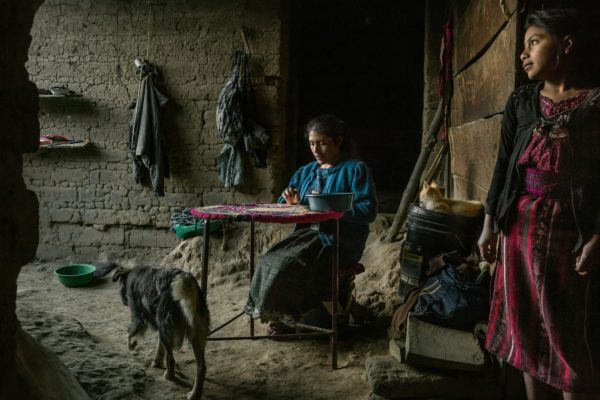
(294, 276)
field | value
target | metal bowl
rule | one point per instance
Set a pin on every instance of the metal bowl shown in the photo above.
(330, 201)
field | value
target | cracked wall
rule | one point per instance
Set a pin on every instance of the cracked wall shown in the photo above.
(89, 204)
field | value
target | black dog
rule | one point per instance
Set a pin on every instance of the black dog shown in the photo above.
(171, 302)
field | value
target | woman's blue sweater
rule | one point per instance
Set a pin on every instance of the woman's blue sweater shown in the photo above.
(347, 176)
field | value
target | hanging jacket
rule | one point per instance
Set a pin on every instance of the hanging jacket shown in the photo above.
(147, 146)
(230, 126)
(237, 126)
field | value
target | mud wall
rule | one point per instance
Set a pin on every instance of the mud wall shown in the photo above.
(89, 203)
(18, 206)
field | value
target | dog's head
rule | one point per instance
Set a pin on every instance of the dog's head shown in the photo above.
(120, 274)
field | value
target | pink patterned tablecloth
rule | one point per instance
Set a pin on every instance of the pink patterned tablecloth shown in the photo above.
(277, 213)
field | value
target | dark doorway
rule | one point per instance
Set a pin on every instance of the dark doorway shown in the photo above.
(363, 61)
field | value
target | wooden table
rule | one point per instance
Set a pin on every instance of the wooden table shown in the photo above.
(280, 214)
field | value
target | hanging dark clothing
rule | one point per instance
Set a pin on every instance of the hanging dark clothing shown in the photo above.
(236, 124)
(147, 145)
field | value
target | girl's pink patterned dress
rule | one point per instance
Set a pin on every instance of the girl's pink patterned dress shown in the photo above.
(538, 319)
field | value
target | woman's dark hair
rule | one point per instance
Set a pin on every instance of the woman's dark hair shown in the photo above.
(333, 127)
(565, 21)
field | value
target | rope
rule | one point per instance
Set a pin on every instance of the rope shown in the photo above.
(246, 46)
(149, 31)
(117, 46)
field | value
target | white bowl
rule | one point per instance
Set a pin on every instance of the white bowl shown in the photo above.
(59, 91)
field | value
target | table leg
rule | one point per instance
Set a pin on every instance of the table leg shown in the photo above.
(251, 269)
(205, 251)
(333, 339)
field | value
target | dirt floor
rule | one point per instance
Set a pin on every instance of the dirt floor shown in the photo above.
(86, 327)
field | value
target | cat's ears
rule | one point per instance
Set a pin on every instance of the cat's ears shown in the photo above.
(426, 185)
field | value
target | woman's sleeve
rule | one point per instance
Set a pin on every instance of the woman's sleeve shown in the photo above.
(294, 183)
(505, 148)
(364, 208)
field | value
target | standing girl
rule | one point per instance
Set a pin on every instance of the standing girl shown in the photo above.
(544, 199)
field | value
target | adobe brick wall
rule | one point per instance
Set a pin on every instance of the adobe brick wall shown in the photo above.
(89, 204)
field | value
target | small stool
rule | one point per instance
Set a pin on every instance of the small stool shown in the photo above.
(346, 277)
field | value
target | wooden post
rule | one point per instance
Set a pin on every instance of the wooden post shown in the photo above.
(205, 254)
(415, 178)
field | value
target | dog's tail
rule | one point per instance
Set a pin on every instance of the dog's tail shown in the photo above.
(187, 293)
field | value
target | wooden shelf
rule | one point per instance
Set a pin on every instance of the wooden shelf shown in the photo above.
(56, 96)
(74, 144)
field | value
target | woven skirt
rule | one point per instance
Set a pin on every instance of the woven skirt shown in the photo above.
(544, 317)
(292, 277)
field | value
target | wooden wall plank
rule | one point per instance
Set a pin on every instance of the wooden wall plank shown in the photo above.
(466, 190)
(473, 150)
(476, 28)
(482, 89)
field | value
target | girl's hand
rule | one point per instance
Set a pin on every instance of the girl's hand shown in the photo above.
(291, 196)
(587, 260)
(487, 240)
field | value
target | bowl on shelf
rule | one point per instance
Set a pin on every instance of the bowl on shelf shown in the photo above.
(330, 201)
(59, 90)
(75, 274)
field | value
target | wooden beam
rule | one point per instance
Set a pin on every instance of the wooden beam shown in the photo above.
(466, 190)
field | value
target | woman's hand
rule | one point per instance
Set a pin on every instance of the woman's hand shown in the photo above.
(487, 240)
(291, 196)
(587, 260)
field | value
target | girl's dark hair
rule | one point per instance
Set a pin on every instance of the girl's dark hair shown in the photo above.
(565, 21)
(559, 22)
(331, 126)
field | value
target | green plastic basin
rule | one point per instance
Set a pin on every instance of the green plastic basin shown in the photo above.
(187, 231)
(75, 274)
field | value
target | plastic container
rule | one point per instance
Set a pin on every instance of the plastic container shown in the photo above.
(436, 232)
(75, 274)
(413, 267)
(428, 234)
(330, 201)
(186, 231)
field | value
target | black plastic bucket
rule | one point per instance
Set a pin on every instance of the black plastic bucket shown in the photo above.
(437, 233)
(429, 233)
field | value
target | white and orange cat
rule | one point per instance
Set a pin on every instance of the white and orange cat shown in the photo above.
(431, 199)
